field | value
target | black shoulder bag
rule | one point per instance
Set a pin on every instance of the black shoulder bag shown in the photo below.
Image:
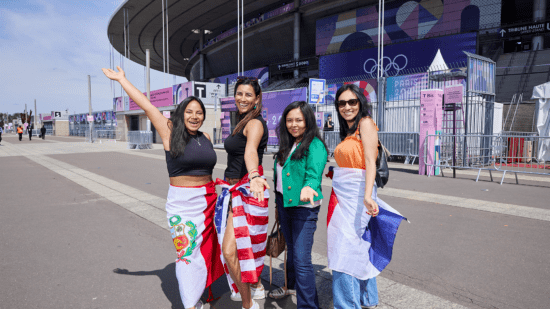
(382, 171)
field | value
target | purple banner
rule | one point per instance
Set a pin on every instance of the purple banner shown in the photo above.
(273, 103)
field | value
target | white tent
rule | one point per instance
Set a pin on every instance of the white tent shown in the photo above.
(542, 94)
(438, 64)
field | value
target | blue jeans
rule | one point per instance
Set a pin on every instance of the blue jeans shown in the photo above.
(298, 225)
(351, 293)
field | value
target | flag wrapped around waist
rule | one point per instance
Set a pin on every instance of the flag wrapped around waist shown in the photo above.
(190, 213)
(250, 220)
(358, 244)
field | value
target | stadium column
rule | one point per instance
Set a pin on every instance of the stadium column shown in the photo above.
(201, 46)
(296, 36)
(539, 15)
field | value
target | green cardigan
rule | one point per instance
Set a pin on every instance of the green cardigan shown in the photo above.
(298, 174)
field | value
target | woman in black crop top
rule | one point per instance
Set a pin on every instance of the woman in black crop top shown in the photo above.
(190, 158)
(245, 148)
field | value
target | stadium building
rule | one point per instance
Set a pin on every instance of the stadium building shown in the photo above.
(288, 42)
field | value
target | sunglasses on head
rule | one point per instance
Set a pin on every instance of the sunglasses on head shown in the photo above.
(351, 102)
(243, 78)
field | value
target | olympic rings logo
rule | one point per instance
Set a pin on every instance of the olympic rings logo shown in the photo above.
(371, 65)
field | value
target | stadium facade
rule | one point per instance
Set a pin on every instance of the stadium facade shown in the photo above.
(286, 43)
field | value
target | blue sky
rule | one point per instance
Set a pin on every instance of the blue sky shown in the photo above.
(47, 50)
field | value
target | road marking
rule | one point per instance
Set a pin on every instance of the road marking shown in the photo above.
(151, 208)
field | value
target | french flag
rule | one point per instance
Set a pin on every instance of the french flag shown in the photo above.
(358, 244)
(250, 221)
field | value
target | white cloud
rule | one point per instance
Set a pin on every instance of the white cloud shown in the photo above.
(47, 55)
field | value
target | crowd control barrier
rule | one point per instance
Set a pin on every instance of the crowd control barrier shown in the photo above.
(332, 139)
(140, 139)
(501, 153)
(401, 144)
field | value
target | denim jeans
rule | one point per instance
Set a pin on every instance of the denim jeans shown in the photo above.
(298, 225)
(351, 293)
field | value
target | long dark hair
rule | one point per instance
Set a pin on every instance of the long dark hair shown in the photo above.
(286, 140)
(364, 109)
(179, 137)
(253, 113)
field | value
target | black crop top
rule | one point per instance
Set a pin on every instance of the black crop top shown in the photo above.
(235, 146)
(198, 159)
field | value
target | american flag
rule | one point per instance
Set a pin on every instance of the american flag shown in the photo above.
(250, 220)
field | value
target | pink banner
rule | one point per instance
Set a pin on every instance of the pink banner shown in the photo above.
(430, 121)
(161, 97)
(453, 94)
(119, 104)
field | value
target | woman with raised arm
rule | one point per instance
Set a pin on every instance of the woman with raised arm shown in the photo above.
(359, 242)
(298, 167)
(190, 158)
(242, 213)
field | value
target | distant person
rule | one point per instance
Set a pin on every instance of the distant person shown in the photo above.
(29, 128)
(329, 125)
(43, 132)
(1, 134)
(20, 132)
(191, 201)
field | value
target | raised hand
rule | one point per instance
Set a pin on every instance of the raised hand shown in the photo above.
(112, 74)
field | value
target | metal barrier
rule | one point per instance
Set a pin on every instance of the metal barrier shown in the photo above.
(401, 144)
(332, 139)
(502, 153)
(140, 139)
(109, 134)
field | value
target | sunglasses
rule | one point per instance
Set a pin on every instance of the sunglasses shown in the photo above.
(243, 78)
(352, 102)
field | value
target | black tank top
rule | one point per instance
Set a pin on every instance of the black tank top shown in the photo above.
(198, 159)
(235, 146)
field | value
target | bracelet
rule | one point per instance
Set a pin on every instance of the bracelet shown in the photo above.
(253, 170)
(254, 177)
(249, 173)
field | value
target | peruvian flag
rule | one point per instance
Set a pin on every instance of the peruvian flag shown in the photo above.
(358, 244)
(250, 221)
(190, 213)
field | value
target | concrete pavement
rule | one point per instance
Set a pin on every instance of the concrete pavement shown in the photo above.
(451, 256)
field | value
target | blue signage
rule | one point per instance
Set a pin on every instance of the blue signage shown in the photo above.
(399, 59)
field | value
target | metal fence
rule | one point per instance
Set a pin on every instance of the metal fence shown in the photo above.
(503, 153)
(404, 144)
(140, 139)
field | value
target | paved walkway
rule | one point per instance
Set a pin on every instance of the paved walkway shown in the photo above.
(52, 156)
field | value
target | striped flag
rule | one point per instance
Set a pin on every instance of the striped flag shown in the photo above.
(250, 220)
(358, 244)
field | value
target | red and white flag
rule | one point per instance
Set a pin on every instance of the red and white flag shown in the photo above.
(250, 221)
(190, 213)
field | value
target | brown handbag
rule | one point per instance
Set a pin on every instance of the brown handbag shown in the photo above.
(276, 244)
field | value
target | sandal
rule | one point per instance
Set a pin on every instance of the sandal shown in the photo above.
(281, 293)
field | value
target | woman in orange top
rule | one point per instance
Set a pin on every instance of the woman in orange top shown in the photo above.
(358, 150)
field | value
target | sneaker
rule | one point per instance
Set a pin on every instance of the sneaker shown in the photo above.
(369, 307)
(280, 293)
(257, 293)
(254, 305)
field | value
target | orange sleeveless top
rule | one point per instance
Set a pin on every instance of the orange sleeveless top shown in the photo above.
(349, 153)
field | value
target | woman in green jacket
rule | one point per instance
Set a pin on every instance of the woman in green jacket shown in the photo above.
(299, 166)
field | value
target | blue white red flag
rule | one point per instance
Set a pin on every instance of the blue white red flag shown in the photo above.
(358, 244)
